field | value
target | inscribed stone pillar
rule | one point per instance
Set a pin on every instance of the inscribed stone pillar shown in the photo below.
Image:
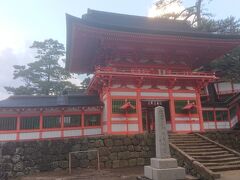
(163, 167)
(162, 144)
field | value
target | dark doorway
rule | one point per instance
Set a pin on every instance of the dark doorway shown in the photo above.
(148, 115)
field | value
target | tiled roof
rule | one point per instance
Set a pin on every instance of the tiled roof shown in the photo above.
(50, 101)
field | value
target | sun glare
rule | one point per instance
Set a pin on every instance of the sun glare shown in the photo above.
(11, 39)
(173, 8)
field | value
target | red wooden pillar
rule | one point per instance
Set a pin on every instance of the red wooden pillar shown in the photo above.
(109, 111)
(82, 122)
(172, 110)
(229, 119)
(62, 123)
(18, 126)
(238, 113)
(41, 125)
(199, 108)
(139, 111)
(215, 118)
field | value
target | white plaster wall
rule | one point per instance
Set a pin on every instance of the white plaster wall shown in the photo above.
(186, 118)
(154, 94)
(184, 94)
(30, 135)
(123, 93)
(131, 86)
(132, 119)
(183, 127)
(189, 88)
(176, 87)
(93, 131)
(223, 125)
(8, 137)
(116, 85)
(181, 118)
(162, 87)
(196, 127)
(119, 127)
(51, 134)
(132, 127)
(146, 87)
(209, 125)
(118, 118)
(69, 133)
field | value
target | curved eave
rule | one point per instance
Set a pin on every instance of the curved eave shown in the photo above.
(229, 41)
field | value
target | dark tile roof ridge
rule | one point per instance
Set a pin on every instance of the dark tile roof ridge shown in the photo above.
(31, 96)
(193, 33)
(48, 96)
(93, 11)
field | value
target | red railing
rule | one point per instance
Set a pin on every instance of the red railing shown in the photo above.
(149, 71)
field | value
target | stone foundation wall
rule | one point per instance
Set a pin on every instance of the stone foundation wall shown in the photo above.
(229, 138)
(22, 158)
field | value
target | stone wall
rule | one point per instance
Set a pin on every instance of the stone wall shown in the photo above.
(229, 138)
(22, 158)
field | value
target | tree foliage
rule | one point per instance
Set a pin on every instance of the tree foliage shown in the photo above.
(199, 17)
(45, 76)
(228, 66)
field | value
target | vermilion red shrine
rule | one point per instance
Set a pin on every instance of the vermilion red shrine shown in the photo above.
(147, 62)
(137, 63)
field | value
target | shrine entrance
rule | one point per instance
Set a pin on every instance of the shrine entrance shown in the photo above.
(148, 116)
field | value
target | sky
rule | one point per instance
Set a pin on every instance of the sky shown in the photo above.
(24, 21)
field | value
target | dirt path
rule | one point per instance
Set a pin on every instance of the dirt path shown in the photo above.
(88, 174)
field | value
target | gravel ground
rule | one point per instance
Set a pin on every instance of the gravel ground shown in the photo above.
(88, 174)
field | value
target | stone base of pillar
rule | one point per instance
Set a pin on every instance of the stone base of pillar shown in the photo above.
(164, 169)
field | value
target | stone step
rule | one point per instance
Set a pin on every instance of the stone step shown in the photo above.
(193, 143)
(197, 147)
(190, 177)
(185, 136)
(222, 163)
(199, 158)
(203, 150)
(206, 153)
(224, 168)
(221, 160)
(188, 141)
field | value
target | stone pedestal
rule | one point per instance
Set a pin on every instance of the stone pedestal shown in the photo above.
(163, 167)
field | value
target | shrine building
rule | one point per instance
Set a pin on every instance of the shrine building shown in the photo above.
(137, 63)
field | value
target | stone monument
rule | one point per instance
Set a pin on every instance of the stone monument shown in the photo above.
(163, 167)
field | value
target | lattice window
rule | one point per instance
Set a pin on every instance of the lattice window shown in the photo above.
(221, 115)
(72, 120)
(8, 123)
(92, 120)
(208, 116)
(117, 103)
(180, 104)
(30, 122)
(51, 121)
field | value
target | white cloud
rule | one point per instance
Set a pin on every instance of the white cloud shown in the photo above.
(8, 58)
(12, 38)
